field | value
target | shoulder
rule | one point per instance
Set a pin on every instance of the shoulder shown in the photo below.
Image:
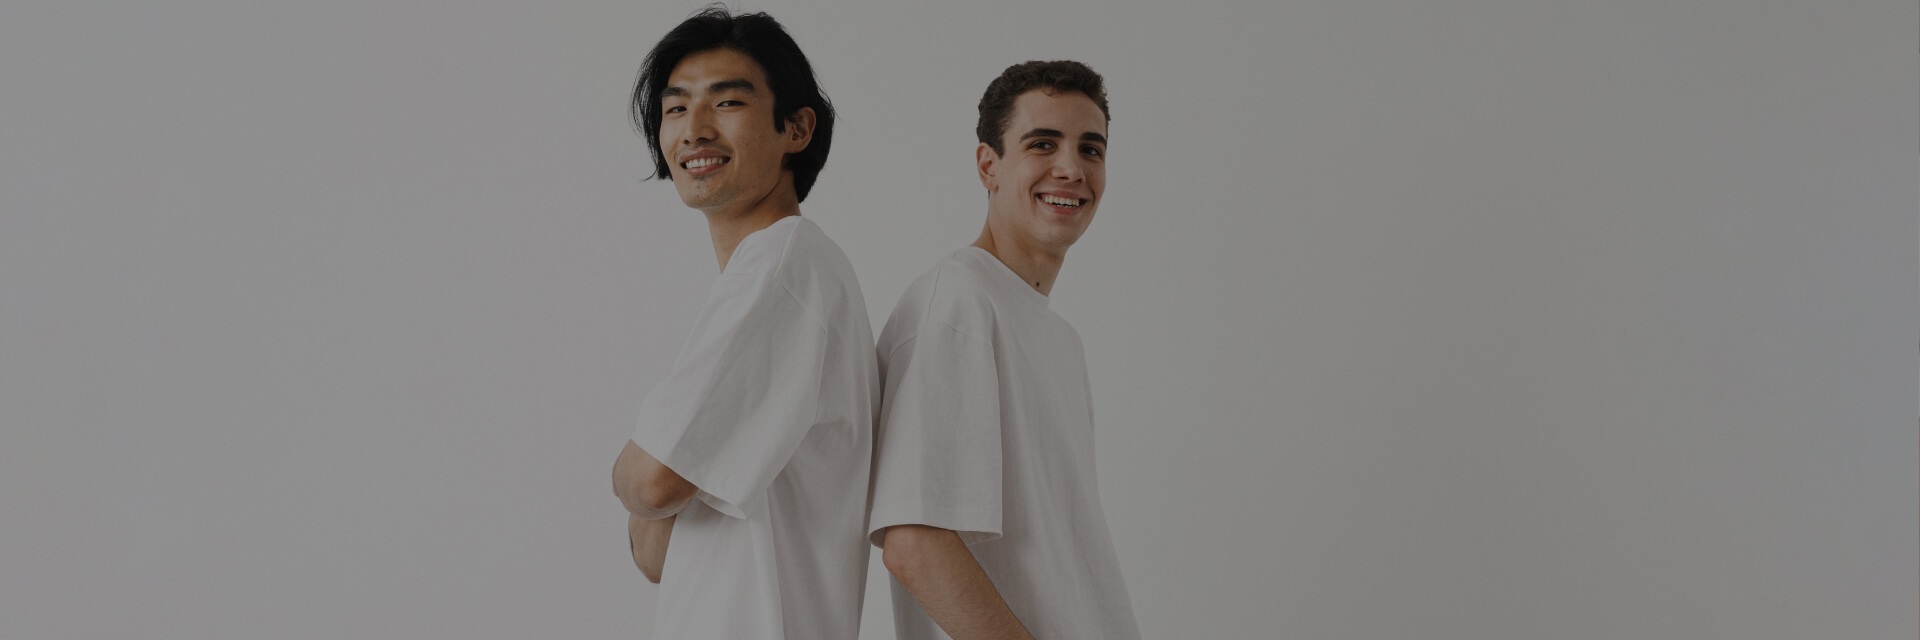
(949, 296)
(797, 255)
(1073, 336)
(767, 251)
(794, 259)
(812, 256)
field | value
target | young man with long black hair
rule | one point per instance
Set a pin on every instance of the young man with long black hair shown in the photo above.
(746, 479)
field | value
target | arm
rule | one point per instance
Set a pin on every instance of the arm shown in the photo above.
(936, 567)
(648, 488)
(648, 540)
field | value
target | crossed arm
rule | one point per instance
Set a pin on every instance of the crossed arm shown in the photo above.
(942, 574)
(652, 494)
(932, 563)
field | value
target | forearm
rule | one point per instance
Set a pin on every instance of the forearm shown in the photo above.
(648, 539)
(942, 574)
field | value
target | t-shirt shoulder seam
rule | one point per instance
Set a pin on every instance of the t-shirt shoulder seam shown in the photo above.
(915, 336)
(779, 273)
(925, 311)
(808, 310)
(786, 249)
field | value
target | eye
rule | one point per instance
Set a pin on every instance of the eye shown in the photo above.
(732, 103)
(676, 109)
(1093, 151)
(1042, 145)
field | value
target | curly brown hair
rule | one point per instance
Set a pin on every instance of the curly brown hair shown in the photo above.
(1053, 77)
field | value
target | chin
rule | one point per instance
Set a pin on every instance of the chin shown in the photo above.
(1065, 231)
(698, 199)
(1059, 239)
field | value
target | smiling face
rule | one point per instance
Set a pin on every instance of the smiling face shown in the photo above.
(1045, 188)
(717, 133)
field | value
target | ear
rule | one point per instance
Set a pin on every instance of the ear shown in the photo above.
(988, 162)
(800, 129)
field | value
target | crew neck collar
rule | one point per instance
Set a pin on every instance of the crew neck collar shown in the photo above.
(1001, 271)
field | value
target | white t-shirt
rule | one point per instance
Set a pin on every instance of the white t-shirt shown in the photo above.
(769, 411)
(986, 429)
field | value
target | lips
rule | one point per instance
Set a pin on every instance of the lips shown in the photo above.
(1061, 203)
(703, 163)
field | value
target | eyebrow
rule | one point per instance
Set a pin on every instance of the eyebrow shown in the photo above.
(737, 84)
(1055, 133)
(1041, 133)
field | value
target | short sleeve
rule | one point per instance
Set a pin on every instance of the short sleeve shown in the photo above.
(742, 394)
(937, 459)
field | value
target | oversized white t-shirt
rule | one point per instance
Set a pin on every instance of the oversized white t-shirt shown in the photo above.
(769, 411)
(986, 429)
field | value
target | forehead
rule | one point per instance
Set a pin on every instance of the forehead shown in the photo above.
(1069, 112)
(702, 68)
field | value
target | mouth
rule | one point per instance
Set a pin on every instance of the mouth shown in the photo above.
(1061, 204)
(704, 165)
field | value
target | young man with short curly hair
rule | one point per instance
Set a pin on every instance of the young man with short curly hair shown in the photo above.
(984, 501)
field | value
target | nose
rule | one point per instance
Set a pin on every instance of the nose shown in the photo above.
(698, 126)
(1067, 168)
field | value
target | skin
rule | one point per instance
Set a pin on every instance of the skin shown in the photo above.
(717, 105)
(1055, 144)
(647, 539)
(935, 566)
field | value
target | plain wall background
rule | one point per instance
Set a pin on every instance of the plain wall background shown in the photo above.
(1441, 320)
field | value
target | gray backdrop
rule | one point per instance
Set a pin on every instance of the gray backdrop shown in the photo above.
(1459, 320)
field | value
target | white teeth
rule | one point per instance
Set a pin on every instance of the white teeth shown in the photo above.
(1057, 200)
(697, 163)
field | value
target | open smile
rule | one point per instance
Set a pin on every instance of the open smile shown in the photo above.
(1062, 204)
(704, 165)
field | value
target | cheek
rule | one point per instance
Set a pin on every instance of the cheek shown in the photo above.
(755, 152)
(1034, 172)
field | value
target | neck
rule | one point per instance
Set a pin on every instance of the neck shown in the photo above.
(1036, 265)
(731, 225)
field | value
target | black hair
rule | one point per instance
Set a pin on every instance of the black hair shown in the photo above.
(761, 38)
(1056, 76)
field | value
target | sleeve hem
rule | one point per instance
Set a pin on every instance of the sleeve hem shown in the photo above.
(710, 492)
(974, 528)
(722, 505)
